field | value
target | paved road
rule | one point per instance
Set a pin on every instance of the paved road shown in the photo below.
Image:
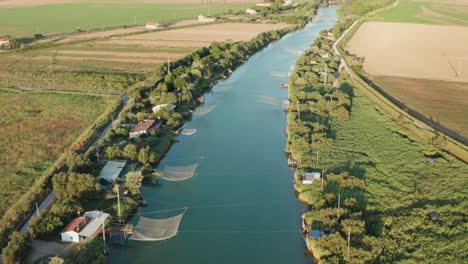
(43, 206)
(104, 132)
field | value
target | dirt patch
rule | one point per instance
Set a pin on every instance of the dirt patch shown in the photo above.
(210, 33)
(420, 51)
(118, 59)
(157, 55)
(159, 43)
(438, 18)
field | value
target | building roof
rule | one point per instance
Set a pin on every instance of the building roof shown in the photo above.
(311, 176)
(157, 108)
(76, 224)
(143, 126)
(94, 224)
(151, 23)
(112, 170)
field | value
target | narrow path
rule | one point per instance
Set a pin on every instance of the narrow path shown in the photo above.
(43, 206)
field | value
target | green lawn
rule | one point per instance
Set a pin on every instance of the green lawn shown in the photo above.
(36, 129)
(62, 18)
(403, 187)
(426, 12)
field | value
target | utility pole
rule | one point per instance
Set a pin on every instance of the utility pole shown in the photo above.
(97, 154)
(168, 66)
(118, 201)
(37, 210)
(317, 159)
(104, 235)
(338, 212)
(298, 111)
(326, 71)
(349, 240)
(321, 189)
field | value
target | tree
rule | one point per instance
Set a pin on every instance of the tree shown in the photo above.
(144, 155)
(56, 260)
(77, 163)
(74, 186)
(113, 152)
(130, 152)
(133, 182)
(16, 248)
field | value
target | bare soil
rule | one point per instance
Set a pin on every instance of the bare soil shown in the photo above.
(413, 50)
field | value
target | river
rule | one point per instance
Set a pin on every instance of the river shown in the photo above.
(241, 204)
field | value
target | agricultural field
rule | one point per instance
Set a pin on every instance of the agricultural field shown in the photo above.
(441, 12)
(444, 102)
(36, 128)
(426, 67)
(122, 60)
(53, 17)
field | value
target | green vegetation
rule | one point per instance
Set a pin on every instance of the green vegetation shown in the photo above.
(27, 21)
(426, 12)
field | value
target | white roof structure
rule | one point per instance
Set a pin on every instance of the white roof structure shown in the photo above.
(112, 170)
(309, 177)
(97, 219)
(157, 108)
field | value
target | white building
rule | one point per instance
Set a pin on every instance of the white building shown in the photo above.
(84, 226)
(152, 25)
(145, 127)
(264, 4)
(204, 19)
(310, 177)
(158, 108)
(251, 11)
(288, 2)
(5, 42)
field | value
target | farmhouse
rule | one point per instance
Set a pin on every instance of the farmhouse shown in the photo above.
(158, 108)
(145, 127)
(251, 11)
(310, 177)
(264, 4)
(329, 36)
(83, 226)
(204, 19)
(288, 2)
(111, 171)
(5, 42)
(152, 25)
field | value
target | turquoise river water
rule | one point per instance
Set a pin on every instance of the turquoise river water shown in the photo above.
(241, 204)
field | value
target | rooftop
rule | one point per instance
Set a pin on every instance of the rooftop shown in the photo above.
(76, 224)
(143, 126)
(97, 219)
(112, 169)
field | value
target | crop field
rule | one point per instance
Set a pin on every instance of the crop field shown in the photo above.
(424, 67)
(51, 17)
(420, 51)
(36, 129)
(445, 102)
(136, 54)
(442, 12)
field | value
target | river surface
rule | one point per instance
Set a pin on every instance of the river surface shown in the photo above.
(241, 204)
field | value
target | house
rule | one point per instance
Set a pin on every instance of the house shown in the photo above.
(157, 108)
(145, 127)
(264, 4)
(111, 171)
(5, 42)
(251, 11)
(288, 2)
(329, 36)
(310, 177)
(152, 25)
(204, 19)
(317, 234)
(84, 226)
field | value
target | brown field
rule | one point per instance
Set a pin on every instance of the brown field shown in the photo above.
(445, 102)
(209, 33)
(119, 31)
(28, 3)
(420, 51)
(155, 43)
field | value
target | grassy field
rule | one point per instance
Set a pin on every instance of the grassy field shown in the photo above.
(445, 102)
(403, 186)
(36, 128)
(442, 12)
(68, 17)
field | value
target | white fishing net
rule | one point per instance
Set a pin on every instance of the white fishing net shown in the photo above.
(203, 110)
(269, 100)
(149, 229)
(189, 131)
(179, 173)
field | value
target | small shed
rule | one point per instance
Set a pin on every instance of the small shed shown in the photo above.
(158, 108)
(5, 42)
(315, 234)
(112, 170)
(145, 127)
(205, 19)
(152, 25)
(310, 177)
(251, 11)
(85, 226)
(264, 4)
(71, 232)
